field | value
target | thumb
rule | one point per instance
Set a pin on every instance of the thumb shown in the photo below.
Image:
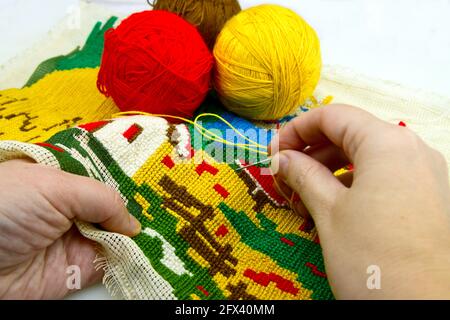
(312, 181)
(89, 200)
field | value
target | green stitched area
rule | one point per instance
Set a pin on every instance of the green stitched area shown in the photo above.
(88, 57)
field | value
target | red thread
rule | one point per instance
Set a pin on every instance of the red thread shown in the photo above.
(287, 241)
(156, 62)
(350, 167)
(316, 239)
(306, 226)
(203, 290)
(132, 132)
(48, 145)
(296, 198)
(222, 231)
(204, 166)
(264, 279)
(93, 126)
(221, 190)
(303, 226)
(265, 181)
(314, 270)
(168, 162)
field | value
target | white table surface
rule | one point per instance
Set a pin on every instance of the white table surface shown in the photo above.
(404, 41)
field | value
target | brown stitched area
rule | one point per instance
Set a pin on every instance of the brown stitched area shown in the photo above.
(239, 292)
(219, 257)
(67, 123)
(25, 123)
(259, 196)
(171, 135)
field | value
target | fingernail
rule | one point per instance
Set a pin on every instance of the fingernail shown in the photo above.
(135, 224)
(280, 164)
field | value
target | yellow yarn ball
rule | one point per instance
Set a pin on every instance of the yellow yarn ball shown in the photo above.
(268, 62)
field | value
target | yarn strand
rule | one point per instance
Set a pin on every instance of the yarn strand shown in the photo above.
(252, 146)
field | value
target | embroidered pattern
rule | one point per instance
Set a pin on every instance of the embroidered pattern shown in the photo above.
(209, 231)
(206, 231)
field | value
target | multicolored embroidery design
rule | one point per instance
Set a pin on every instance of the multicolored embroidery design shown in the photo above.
(211, 231)
(61, 93)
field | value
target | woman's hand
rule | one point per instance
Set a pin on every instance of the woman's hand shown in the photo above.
(38, 239)
(391, 212)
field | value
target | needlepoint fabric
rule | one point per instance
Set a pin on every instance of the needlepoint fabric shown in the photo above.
(59, 94)
(59, 101)
(209, 231)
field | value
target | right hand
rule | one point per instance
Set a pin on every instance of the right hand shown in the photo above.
(392, 211)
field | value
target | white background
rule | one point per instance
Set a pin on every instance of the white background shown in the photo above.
(404, 41)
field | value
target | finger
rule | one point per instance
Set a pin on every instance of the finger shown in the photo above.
(82, 251)
(300, 208)
(344, 126)
(316, 185)
(292, 198)
(329, 155)
(89, 200)
(283, 189)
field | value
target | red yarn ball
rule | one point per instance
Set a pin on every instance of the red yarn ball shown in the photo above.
(156, 62)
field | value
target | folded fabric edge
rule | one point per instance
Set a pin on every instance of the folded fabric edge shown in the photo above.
(131, 280)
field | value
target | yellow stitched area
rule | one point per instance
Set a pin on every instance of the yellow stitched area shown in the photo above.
(264, 276)
(59, 101)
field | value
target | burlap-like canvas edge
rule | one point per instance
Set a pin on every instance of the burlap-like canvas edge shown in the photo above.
(128, 272)
(427, 114)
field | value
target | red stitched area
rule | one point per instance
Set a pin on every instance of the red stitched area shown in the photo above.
(132, 132)
(168, 162)
(222, 231)
(222, 191)
(48, 145)
(287, 241)
(264, 279)
(315, 270)
(93, 126)
(204, 166)
(203, 290)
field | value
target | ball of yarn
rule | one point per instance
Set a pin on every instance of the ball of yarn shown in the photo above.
(156, 62)
(208, 15)
(268, 62)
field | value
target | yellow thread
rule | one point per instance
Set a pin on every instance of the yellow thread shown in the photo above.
(231, 126)
(268, 62)
(314, 103)
(290, 200)
(327, 100)
(205, 132)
